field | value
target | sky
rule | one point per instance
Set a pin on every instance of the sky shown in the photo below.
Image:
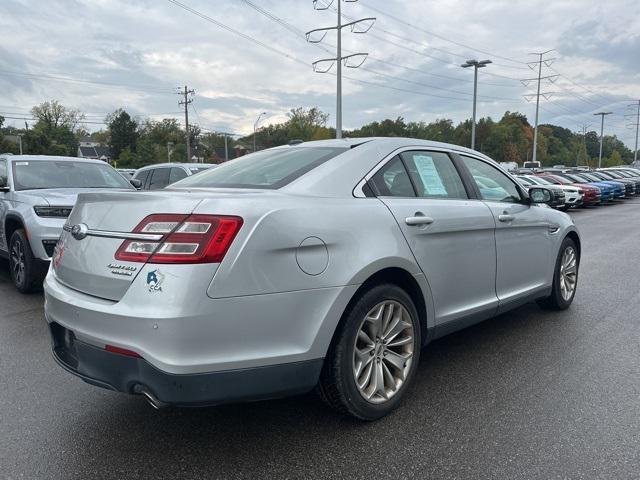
(245, 57)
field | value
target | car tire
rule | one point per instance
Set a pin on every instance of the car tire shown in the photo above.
(390, 358)
(27, 272)
(565, 278)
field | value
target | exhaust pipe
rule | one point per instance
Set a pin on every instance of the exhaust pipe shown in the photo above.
(149, 397)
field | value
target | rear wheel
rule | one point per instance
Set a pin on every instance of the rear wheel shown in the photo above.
(27, 272)
(565, 277)
(375, 354)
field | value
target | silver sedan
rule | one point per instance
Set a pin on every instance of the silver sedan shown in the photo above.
(328, 264)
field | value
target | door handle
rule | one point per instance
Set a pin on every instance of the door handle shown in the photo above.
(418, 220)
(505, 217)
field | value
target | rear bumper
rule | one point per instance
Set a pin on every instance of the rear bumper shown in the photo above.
(126, 374)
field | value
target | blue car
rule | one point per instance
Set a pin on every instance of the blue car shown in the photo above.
(618, 187)
(606, 190)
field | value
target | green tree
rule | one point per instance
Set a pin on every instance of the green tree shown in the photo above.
(123, 132)
(54, 115)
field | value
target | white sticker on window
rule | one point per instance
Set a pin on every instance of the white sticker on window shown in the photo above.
(429, 175)
(22, 163)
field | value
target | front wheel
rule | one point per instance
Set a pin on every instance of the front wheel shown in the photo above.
(375, 354)
(565, 278)
(27, 272)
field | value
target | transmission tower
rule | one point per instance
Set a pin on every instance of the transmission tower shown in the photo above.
(546, 95)
(584, 141)
(186, 92)
(317, 35)
(635, 124)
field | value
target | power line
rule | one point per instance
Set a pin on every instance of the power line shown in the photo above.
(236, 32)
(404, 22)
(58, 78)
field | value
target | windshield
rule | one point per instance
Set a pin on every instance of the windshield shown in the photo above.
(525, 181)
(541, 181)
(273, 168)
(39, 174)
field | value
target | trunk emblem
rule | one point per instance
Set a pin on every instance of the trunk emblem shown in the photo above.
(79, 231)
(154, 281)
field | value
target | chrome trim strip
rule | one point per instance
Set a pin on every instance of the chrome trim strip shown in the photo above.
(119, 235)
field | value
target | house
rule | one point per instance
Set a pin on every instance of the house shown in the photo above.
(96, 152)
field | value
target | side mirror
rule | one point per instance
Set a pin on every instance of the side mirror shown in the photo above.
(136, 183)
(540, 195)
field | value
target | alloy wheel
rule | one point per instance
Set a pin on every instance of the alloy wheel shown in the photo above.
(383, 351)
(568, 273)
(17, 261)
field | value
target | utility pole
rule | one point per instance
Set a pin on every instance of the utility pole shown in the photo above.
(546, 95)
(226, 149)
(339, 59)
(584, 141)
(637, 125)
(20, 142)
(476, 65)
(186, 103)
(602, 115)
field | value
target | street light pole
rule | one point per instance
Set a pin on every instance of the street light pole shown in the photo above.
(255, 126)
(169, 145)
(602, 115)
(476, 65)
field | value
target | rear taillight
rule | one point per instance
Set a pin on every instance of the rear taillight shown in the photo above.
(186, 239)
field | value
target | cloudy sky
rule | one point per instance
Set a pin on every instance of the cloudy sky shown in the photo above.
(247, 57)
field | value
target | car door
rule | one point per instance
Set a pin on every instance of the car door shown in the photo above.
(159, 178)
(450, 234)
(523, 233)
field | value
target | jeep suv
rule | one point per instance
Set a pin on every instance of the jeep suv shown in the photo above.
(37, 194)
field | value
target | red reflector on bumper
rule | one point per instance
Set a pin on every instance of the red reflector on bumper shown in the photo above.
(121, 351)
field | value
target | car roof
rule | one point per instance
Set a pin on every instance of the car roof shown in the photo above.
(38, 158)
(177, 164)
(394, 142)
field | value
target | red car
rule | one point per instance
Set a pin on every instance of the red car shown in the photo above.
(590, 193)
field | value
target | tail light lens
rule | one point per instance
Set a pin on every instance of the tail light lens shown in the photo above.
(187, 239)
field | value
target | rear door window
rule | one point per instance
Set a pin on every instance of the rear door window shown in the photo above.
(392, 180)
(433, 175)
(159, 178)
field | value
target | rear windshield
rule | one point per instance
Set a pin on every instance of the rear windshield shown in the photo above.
(39, 174)
(266, 169)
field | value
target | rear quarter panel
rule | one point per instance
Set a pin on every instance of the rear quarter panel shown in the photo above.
(360, 237)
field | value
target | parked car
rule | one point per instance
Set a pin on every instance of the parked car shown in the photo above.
(629, 186)
(329, 263)
(126, 172)
(561, 196)
(618, 188)
(632, 184)
(158, 176)
(37, 194)
(589, 194)
(606, 190)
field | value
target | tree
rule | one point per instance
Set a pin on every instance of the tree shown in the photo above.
(123, 131)
(54, 115)
(304, 123)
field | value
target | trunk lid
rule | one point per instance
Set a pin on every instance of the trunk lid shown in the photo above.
(88, 265)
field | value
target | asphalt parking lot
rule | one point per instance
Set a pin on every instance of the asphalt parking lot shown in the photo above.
(530, 394)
